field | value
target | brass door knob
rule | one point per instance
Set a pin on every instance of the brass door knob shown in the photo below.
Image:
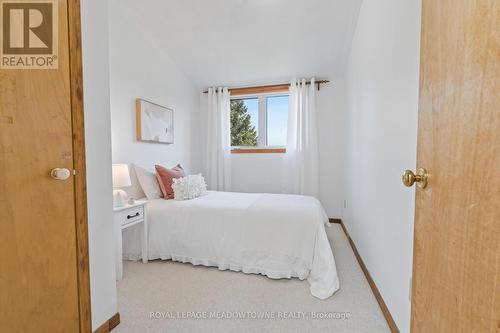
(409, 178)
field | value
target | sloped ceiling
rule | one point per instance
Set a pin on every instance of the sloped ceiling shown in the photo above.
(243, 42)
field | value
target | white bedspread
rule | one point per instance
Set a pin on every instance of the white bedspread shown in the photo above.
(278, 235)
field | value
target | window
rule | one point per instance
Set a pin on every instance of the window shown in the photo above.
(277, 119)
(244, 122)
(259, 122)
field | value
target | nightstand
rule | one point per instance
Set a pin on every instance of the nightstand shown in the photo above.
(125, 217)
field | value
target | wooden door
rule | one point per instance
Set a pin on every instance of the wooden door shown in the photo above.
(456, 268)
(43, 253)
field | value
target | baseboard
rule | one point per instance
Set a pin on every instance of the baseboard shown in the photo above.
(335, 220)
(387, 314)
(109, 324)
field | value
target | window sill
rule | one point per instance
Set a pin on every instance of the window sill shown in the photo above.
(258, 151)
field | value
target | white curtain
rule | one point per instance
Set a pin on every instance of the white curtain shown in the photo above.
(301, 158)
(218, 140)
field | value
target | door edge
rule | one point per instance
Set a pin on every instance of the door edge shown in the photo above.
(78, 130)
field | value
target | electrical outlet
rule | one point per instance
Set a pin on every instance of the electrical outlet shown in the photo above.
(345, 204)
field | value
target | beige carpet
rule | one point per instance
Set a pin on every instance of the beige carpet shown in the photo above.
(172, 290)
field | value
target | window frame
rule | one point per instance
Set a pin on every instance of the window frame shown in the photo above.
(262, 147)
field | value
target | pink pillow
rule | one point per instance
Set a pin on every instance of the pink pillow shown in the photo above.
(165, 179)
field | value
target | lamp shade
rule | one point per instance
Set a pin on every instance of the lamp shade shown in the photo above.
(121, 176)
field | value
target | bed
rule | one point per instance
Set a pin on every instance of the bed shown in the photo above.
(277, 235)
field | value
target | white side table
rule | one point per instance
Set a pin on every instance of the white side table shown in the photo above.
(125, 217)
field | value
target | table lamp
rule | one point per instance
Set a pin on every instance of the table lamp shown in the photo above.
(121, 178)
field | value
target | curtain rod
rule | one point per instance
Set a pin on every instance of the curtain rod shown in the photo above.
(267, 88)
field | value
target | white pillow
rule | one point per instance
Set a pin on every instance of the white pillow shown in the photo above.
(189, 187)
(148, 182)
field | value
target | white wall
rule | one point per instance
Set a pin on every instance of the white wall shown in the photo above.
(382, 86)
(139, 69)
(263, 172)
(260, 173)
(332, 117)
(98, 153)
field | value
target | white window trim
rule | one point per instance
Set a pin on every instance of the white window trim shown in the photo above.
(262, 130)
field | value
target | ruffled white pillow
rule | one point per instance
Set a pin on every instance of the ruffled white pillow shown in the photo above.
(189, 187)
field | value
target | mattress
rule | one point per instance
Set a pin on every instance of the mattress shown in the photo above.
(277, 235)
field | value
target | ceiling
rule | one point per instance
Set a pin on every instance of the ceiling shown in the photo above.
(242, 42)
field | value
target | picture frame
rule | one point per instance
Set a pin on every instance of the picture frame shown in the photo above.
(154, 122)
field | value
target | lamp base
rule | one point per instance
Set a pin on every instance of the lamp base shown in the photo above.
(120, 198)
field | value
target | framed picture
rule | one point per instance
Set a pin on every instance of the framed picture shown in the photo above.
(154, 123)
